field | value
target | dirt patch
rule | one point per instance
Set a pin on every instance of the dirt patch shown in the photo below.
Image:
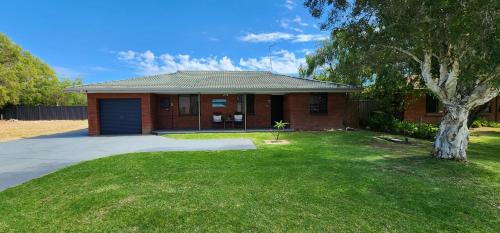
(11, 130)
(274, 142)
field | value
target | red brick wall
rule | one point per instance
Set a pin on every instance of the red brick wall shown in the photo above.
(416, 112)
(296, 112)
(93, 109)
(170, 119)
(262, 116)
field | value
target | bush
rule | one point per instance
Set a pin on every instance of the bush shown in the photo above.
(485, 123)
(383, 122)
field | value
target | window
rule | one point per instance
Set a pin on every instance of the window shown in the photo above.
(218, 103)
(165, 103)
(188, 104)
(432, 104)
(318, 103)
(250, 104)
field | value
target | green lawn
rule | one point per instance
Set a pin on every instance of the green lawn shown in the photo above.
(330, 181)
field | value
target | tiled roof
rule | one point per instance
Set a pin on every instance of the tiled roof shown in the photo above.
(215, 82)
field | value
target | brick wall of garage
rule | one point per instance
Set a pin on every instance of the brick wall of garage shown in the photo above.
(296, 112)
(147, 110)
(416, 112)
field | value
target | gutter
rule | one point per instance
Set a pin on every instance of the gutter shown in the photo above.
(213, 91)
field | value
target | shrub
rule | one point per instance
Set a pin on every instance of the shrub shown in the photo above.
(485, 123)
(383, 122)
(279, 126)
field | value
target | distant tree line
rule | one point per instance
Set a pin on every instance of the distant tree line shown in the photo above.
(27, 80)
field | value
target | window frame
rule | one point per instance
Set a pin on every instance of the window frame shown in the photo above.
(438, 105)
(192, 111)
(323, 103)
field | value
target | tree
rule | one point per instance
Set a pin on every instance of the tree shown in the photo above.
(72, 99)
(388, 80)
(454, 43)
(27, 80)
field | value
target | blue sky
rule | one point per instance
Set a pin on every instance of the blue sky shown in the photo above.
(107, 40)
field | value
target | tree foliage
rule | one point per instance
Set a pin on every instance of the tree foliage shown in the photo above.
(388, 79)
(26, 80)
(453, 44)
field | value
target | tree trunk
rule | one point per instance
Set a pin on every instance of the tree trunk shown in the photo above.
(453, 136)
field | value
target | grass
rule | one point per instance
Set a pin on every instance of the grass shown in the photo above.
(329, 181)
(11, 130)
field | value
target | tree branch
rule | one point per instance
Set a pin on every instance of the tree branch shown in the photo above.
(413, 56)
(430, 82)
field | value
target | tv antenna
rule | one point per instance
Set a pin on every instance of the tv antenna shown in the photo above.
(271, 57)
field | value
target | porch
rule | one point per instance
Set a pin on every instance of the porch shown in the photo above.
(235, 112)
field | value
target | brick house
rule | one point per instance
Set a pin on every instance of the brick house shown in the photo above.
(202, 100)
(428, 109)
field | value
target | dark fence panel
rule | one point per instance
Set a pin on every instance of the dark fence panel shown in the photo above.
(45, 113)
(365, 108)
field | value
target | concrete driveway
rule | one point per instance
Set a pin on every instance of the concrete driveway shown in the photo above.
(26, 159)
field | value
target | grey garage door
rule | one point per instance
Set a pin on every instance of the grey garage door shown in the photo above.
(120, 116)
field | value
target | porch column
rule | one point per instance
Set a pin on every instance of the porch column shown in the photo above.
(245, 107)
(199, 112)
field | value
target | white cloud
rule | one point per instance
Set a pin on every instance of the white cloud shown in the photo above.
(309, 37)
(266, 37)
(286, 24)
(289, 4)
(294, 24)
(147, 63)
(148, 56)
(299, 21)
(283, 62)
(276, 36)
(126, 55)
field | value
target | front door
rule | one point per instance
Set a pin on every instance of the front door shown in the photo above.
(276, 108)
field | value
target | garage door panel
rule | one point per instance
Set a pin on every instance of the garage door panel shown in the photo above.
(120, 116)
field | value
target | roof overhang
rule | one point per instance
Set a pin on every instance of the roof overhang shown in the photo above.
(212, 91)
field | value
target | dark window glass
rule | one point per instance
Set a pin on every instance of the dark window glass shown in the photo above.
(188, 104)
(432, 104)
(250, 104)
(318, 103)
(165, 103)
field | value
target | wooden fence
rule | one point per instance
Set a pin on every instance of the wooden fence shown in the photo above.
(365, 108)
(44, 113)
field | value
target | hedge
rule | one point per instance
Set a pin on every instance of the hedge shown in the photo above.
(383, 122)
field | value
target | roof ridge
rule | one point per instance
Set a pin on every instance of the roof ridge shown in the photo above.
(220, 71)
(320, 81)
(129, 79)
